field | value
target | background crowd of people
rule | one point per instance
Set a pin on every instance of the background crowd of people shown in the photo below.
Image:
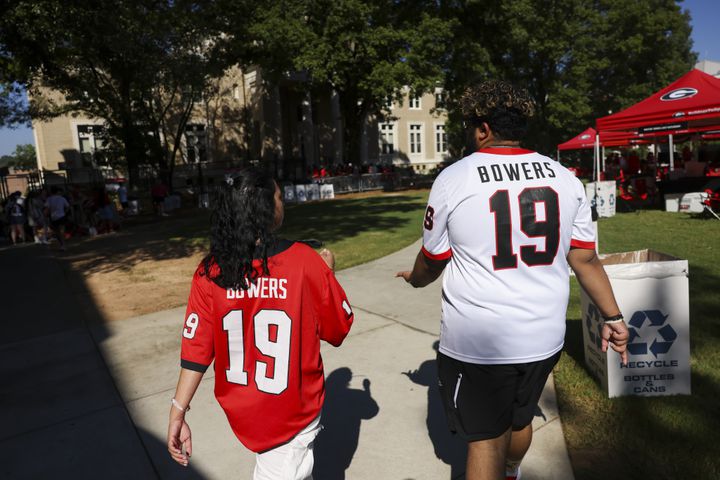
(44, 215)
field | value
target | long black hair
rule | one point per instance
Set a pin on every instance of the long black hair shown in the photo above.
(241, 229)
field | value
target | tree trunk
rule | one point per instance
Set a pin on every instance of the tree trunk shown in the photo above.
(131, 158)
(353, 119)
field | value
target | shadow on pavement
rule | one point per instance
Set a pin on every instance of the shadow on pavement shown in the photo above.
(344, 410)
(449, 448)
(61, 412)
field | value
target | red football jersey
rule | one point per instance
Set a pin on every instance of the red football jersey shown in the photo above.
(266, 343)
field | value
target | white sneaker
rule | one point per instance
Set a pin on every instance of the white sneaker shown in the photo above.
(513, 476)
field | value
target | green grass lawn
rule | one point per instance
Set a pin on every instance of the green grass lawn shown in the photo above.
(673, 437)
(361, 229)
(357, 230)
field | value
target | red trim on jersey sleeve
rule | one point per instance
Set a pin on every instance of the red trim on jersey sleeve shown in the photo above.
(439, 256)
(582, 244)
(505, 151)
(197, 346)
(334, 314)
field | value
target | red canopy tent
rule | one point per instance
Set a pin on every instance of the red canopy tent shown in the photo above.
(586, 139)
(712, 135)
(590, 139)
(607, 139)
(689, 104)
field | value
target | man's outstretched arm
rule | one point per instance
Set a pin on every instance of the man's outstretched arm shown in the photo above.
(424, 272)
(593, 279)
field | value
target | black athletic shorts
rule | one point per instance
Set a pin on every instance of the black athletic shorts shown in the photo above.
(483, 401)
(59, 222)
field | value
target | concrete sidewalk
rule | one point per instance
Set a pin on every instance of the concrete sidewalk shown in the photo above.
(383, 416)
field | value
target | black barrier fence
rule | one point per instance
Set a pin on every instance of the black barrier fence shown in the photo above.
(374, 181)
(18, 182)
(201, 178)
(360, 183)
(370, 181)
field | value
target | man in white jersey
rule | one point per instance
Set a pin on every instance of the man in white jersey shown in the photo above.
(506, 222)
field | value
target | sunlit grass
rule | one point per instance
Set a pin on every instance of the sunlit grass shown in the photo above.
(357, 230)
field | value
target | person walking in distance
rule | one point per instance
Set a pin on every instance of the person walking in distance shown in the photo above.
(15, 210)
(258, 308)
(36, 216)
(159, 192)
(503, 224)
(58, 208)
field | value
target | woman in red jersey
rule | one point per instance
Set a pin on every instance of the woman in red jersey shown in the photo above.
(258, 308)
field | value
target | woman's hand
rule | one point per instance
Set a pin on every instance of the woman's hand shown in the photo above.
(179, 440)
(328, 257)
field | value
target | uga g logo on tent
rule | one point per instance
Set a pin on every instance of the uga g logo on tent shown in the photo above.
(679, 93)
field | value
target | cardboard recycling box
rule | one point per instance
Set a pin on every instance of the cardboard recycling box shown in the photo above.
(651, 289)
(604, 198)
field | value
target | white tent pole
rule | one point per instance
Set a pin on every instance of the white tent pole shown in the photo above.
(671, 147)
(596, 167)
(596, 158)
(602, 156)
(557, 155)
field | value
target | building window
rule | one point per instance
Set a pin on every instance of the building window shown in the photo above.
(236, 91)
(91, 137)
(415, 103)
(196, 143)
(439, 99)
(387, 138)
(91, 140)
(250, 79)
(415, 138)
(440, 139)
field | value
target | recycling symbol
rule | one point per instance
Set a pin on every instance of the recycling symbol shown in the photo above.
(648, 327)
(593, 319)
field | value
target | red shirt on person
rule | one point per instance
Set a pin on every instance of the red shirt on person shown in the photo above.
(265, 342)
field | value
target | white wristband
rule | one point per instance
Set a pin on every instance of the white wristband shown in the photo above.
(179, 407)
(619, 320)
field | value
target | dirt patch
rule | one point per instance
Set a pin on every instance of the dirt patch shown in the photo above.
(143, 269)
(148, 286)
(148, 266)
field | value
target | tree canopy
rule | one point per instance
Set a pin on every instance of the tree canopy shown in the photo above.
(580, 59)
(366, 51)
(23, 158)
(141, 65)
(137, 64)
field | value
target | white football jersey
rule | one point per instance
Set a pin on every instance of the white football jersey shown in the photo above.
(506, 218)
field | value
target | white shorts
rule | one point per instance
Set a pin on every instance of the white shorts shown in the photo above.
(290, 461)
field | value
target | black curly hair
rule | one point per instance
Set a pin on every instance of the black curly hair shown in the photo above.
(504, 107)
(241, 229)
